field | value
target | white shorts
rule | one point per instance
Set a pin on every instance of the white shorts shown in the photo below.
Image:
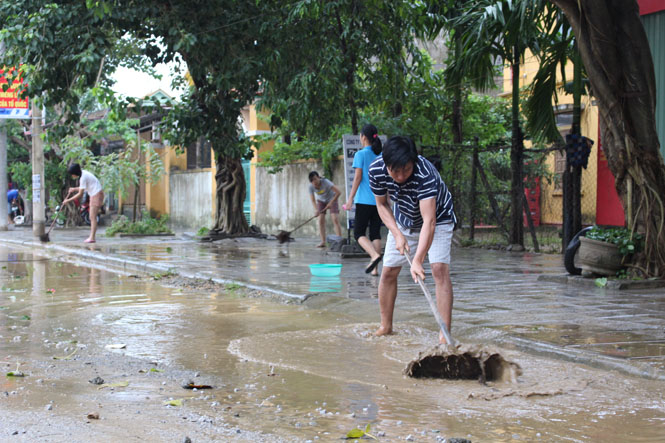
(439, 252)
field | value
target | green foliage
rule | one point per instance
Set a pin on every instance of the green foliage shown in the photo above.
(334, 58)
(233, 286)
(285, 153)
(161, 275)
(118, 170)
(600, 282)
(628, 242)
(202, 231)
(146, 225)
(357, 433)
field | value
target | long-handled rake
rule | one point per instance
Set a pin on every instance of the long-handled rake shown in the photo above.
(45, 237)
(285, 236)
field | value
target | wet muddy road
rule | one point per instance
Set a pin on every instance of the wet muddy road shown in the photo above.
(279, 371)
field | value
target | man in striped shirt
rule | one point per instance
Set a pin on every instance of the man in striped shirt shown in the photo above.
(422, 220)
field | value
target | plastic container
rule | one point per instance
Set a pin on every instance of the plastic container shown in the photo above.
(325, 269)
(325, 284)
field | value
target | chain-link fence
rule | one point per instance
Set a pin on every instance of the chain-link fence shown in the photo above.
(479, 179)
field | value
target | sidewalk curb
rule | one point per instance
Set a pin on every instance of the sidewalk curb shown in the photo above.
(600, 361)
(586, 282)
(122, 264)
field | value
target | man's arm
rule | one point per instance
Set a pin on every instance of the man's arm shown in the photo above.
(428, 212)
(316, 209)
(337, 194)
(388, 219)
(335, 197)
(78, 194)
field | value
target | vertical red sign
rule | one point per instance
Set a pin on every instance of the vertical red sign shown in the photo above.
(609, 210)
(11, 106)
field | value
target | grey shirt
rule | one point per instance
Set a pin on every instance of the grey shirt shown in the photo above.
(325, 193)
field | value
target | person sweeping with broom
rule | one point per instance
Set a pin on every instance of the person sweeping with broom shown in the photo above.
(90, 184)
(421, 222)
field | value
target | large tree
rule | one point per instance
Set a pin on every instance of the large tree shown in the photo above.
(615, 51)
(70, 46)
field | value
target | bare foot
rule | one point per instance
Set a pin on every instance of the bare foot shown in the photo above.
(383, 331)
(89, 240)
(442, 339)
(321, 245)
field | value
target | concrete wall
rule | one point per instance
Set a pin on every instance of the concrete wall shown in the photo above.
(282, 200)
(190, 198)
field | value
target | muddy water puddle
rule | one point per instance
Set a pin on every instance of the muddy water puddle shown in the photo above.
(279, 371)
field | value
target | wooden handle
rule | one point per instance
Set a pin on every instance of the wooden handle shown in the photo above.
(433, 307)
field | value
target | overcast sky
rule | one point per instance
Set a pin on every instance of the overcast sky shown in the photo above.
(137, 84)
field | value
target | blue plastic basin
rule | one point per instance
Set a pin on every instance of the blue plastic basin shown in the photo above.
(325, 269)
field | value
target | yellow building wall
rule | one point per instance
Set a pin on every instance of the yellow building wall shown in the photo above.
(255, 124)
(157, 194)
(551, 198)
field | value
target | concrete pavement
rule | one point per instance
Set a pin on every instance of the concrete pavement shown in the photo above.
(511, 299)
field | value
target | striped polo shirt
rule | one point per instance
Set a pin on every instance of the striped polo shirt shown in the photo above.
(424, 183)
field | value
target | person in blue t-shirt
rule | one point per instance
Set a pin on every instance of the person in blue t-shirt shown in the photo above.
(421, 222)
(12, 198)
(361, 195)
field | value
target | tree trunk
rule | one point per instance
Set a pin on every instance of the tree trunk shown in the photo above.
(516, 154)
(231, 191)
(350, 75)
(615, 51)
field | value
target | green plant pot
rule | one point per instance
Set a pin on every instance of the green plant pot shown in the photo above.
(599, 257)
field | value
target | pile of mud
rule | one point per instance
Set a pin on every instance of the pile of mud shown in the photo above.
(463, 362)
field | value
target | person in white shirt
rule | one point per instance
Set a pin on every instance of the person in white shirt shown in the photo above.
(90, 184)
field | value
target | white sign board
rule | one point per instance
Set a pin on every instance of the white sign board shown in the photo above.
(36, 181)
(351, 144)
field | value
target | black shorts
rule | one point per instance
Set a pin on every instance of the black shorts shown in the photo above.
(367, 215)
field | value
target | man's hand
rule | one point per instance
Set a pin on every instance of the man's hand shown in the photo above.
(417, 270)
(401, 244)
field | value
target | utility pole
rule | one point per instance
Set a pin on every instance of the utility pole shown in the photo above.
(3, 165)
(3, 176)
(38, 218)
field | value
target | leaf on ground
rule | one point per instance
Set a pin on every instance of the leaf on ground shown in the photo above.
(66, 357)
(156, 370)
(120, 384)
(177, 402)
(25, 317)
(355, 433)
(15, 374)
(601, 282)
(116, 346)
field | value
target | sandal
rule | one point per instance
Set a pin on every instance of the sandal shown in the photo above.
(374, 264)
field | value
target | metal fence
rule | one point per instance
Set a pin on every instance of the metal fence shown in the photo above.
(479, 179)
